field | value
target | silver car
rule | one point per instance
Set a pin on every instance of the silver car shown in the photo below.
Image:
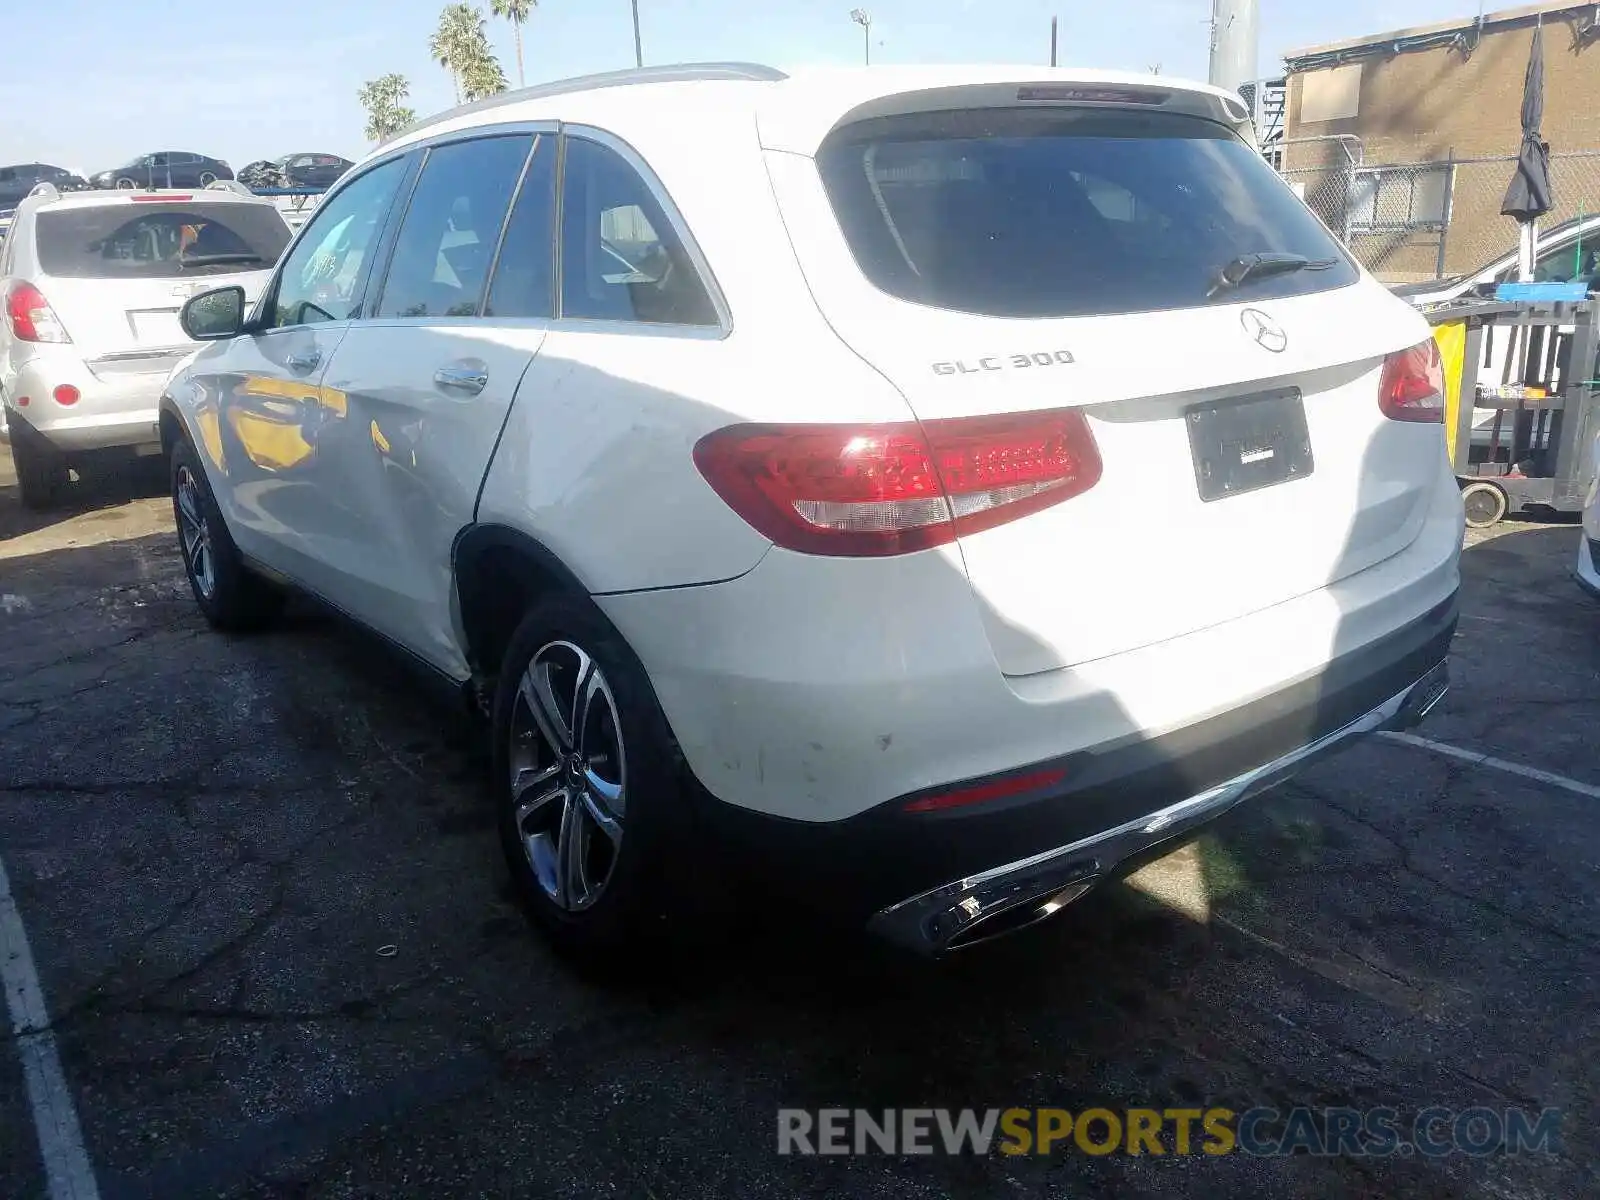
(93, 282)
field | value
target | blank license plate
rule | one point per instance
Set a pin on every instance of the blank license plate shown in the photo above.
(1248, 442)
(156, 327)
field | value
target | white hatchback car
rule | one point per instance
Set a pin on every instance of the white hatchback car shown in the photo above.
(947, 485)
(93, 283)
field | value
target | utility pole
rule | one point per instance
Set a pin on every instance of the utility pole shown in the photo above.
(1053, 23)
(864, 19)
(1233, 43)
(638, 54)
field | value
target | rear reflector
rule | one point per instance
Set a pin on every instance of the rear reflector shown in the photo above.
(995, 789)
(66, 395)
(874, 490)
(31, 317)
(22, 402)
(1412, 386)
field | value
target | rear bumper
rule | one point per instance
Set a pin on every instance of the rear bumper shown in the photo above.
(118, 408)
(1018, 893)
(927, 880)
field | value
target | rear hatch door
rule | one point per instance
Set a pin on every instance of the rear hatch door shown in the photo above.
(118, 274)
(1023, 260)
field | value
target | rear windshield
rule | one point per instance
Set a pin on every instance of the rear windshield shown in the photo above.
(1031, 213)
(160, 241)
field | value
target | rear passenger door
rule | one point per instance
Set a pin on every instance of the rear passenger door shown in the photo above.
(430, 378)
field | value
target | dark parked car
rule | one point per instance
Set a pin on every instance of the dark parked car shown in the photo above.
(313, 170)
(18, 180)
(166, 168)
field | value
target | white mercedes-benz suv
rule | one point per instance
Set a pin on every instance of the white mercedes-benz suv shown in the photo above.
(947, 486)
(93, 282)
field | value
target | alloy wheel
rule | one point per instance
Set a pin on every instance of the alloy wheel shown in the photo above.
(568, 774)
(194, 531)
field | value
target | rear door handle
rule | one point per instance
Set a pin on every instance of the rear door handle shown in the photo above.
(462, 378)
(306, 361)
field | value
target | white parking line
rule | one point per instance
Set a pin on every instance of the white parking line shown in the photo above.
(68, 1171)
(1498, 764)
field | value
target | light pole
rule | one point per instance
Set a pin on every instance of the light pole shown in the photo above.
(864, 19)
(638, 52)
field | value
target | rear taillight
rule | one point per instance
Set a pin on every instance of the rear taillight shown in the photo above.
(32, 319)
(872, 490)
(1412, 386)
(66, 395)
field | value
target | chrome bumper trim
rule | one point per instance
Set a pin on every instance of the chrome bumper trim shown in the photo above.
(948, 917)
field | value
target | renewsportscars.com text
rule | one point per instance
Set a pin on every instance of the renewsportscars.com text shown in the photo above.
(1265, 1132)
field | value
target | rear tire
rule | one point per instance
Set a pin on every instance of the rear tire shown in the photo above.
(125, 184)
(1485, 504)
(41, 468)
(589, 800)
(231, 597)
(207, 179)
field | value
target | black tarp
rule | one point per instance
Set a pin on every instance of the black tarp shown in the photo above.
(1529, 196)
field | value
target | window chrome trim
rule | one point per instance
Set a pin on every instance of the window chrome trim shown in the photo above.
(674, 217)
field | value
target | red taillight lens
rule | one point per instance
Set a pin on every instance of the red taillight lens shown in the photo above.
(872, 490)
(159, 197)
(66, 395)
(32, 319)
(1412, 387)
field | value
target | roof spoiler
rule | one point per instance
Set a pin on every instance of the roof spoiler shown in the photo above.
(45, 191)
(229, 185)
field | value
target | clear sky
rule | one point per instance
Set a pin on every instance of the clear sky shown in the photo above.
(88, 84)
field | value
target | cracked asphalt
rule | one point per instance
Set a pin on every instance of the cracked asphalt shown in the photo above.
(267, 909)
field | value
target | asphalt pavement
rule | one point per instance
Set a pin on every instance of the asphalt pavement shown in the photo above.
(270, 923)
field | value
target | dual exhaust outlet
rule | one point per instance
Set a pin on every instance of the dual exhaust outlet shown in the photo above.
(993, 903)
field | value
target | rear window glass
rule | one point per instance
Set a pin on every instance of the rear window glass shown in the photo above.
(160, 241)
(1029, 213)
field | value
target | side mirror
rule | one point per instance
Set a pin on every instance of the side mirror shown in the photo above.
(215, 315)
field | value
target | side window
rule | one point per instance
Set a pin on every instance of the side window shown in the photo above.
(321, 277)
(524, 277)
(620, 259)
(1571, 262)
(442, 254)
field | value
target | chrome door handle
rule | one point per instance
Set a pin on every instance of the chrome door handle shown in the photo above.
(462, 379)
(304, 362)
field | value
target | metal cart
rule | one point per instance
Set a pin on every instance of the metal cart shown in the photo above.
(1534, 365)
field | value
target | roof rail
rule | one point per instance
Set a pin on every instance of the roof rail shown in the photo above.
(46, 191)
(229, 185)
(675, 73)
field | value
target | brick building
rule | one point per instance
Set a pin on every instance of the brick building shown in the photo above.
(1404, 142)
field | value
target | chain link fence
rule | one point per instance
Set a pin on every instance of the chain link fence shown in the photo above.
(1424, 220)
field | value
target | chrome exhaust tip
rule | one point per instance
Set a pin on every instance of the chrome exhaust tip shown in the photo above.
(1023, 915)
(1423, 697)
(982, 908)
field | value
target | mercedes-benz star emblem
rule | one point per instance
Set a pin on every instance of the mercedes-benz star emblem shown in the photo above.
(1263, 330)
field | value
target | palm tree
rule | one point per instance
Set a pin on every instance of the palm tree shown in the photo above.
(455, 44)
(383, 98)
(483, 77)
(517, 12)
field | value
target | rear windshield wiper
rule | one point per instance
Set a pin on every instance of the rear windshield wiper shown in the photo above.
(1246, 267)
(207, 260)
